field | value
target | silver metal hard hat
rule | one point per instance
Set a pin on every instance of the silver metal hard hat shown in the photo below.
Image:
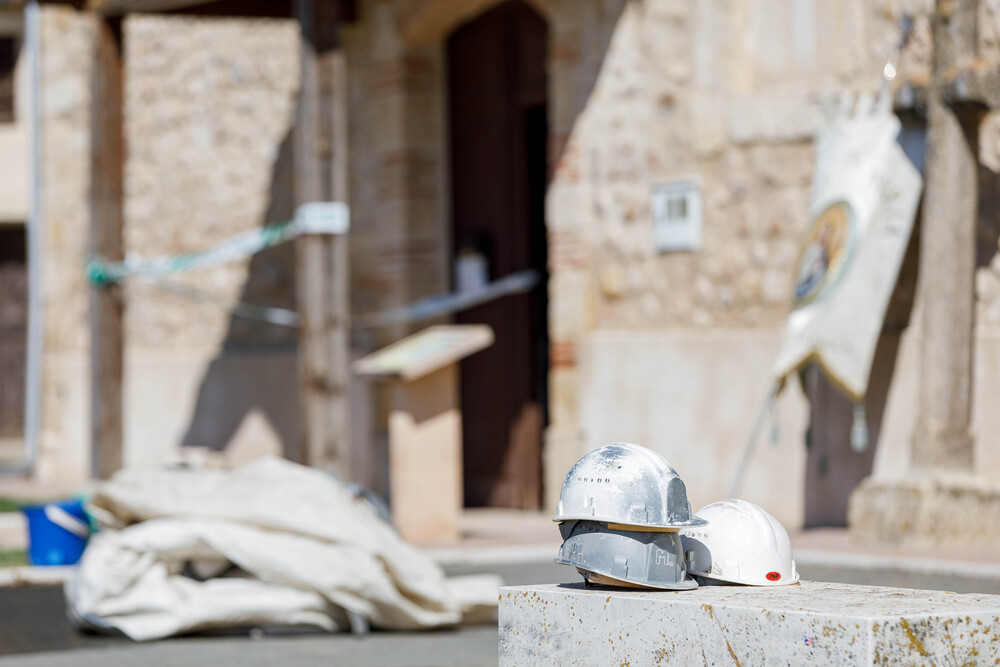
(628, 485)
(624, 557)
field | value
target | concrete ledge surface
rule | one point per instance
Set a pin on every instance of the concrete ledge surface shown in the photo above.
(810, 623)
(31, 575)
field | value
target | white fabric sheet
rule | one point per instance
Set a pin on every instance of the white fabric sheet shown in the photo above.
(307, 551)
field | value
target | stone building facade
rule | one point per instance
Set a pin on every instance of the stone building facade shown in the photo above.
(194, 375)
(668, 349)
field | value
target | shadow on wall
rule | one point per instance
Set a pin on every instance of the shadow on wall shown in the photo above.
(248, 400)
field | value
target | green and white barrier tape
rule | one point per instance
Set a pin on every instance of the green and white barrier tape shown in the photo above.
(311, 218)
(418, 311)
(270, 314)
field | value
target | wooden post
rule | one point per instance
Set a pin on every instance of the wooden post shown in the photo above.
(942, 438)
(106, 222)
(425, 457)
(425, 426)
(322, 261)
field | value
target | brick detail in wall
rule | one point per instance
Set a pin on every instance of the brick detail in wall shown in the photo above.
(568, 250)
(562, 354)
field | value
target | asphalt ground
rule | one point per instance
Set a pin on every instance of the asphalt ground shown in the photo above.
(34, 630)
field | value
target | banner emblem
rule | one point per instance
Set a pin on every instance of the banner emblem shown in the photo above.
(827, 249)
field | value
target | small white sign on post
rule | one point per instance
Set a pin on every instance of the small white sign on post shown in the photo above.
(323, 217)
(676, 210)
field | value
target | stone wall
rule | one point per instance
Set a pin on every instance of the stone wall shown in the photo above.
(67, 43)
(397, 165)
(209, 107)
(725, 93)
(209, 104)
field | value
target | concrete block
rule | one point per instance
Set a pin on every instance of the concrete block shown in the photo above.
(811, 623)
(13, 530)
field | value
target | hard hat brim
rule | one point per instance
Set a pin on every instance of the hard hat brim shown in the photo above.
(646, 527)
(731, 580)
(686, 585)
(598, 579)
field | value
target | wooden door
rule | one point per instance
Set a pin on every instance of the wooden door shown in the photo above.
(497, 111)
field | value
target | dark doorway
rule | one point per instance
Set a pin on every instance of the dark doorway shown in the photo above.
(497, 109)
(13, 329)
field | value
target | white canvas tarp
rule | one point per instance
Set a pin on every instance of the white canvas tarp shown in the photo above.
(305, 550)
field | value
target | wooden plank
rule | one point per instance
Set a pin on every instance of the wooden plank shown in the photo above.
(106, 220)
(426, 352)
(322, 261)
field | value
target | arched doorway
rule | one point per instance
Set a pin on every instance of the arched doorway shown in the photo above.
(498, 131)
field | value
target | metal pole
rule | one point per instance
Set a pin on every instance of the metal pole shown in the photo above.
(763, 412)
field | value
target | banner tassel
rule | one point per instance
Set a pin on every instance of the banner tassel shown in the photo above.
(859, 429)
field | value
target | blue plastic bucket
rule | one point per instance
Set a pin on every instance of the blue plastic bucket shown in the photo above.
(57, 532)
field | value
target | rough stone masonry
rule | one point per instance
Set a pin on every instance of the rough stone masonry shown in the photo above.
(810, 623)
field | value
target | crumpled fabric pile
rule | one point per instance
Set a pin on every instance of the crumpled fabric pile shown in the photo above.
(270, 544)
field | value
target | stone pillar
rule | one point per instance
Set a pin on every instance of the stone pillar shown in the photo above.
(947, 256)
(941, 500)
(107, 213)
(568, 247)
(322, 260)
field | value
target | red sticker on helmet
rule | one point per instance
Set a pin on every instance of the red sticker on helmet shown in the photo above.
(773, 576)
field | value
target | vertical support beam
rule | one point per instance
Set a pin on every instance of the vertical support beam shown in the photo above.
(942, 438)
(106, 220)
(425, 456)
(322, 271)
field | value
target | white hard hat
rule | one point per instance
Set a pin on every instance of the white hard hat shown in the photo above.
(742, 544)
(627, 485)
(624, 558)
